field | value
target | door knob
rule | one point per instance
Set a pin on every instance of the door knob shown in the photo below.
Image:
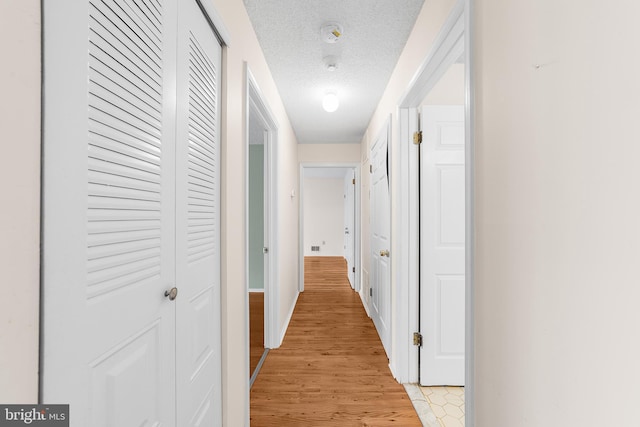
(265, 250)
(171, 293)
(384, 253)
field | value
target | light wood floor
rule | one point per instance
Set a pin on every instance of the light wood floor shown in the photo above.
(331, 369)
(256, 329)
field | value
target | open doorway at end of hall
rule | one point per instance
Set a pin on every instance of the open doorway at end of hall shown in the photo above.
(329, 216)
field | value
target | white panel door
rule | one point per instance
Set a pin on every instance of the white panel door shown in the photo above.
(380, 223)
(442, 245)
(349, 220)
(198, 220)
(108, 211)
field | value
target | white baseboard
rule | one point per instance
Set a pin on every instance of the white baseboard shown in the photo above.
(256, 290)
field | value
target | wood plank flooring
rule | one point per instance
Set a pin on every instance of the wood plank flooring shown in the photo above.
(331, 369)
(256, 329)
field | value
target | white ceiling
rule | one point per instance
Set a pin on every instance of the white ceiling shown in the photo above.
(374, 34)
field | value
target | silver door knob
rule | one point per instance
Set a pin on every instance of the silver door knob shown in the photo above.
(171, 293)
(384, 253)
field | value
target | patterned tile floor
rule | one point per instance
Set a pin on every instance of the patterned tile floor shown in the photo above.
(447, 404)
(438, 406)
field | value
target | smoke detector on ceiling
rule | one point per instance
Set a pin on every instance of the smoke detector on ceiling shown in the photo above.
(331, 32)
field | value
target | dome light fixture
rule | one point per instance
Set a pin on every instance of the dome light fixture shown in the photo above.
(330, 102)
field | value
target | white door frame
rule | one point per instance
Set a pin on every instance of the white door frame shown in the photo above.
(356, 226)
(350, 210)
(452, 42)
(257, 102)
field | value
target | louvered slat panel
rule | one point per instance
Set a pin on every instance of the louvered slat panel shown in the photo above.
(202, 186)
(109, 107)
(205, 124)
(128, 226)
(125, 151)
(126, 81)
(134, 43)
(108, 130)
(130, 194)
(107, 166)
(111, 253)
(127, 103)
(112, 179)
(97, 216)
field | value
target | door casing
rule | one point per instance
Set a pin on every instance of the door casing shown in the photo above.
(452, 42)
(349, 220)
(255, 103)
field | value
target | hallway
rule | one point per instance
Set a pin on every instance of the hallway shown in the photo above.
(331, 368)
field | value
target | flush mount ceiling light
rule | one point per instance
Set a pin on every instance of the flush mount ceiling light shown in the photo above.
(330, 102)
(331, 32)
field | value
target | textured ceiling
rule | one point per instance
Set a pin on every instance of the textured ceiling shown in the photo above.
(374, 34)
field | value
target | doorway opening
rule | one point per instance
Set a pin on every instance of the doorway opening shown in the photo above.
(330, 215)
(261, 248)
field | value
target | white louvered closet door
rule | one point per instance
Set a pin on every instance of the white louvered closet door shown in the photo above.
(198, 220)
(126, 217)
(109, 217)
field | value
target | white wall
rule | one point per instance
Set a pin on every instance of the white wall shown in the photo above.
(324, 216)
(20, 190)
(331, 153)
(245, 47)
(450, 88)
(557, 213)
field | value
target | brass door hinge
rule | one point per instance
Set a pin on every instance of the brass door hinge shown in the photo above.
(417, 339)
(370, 168)
(353, 181)
(417, 137)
